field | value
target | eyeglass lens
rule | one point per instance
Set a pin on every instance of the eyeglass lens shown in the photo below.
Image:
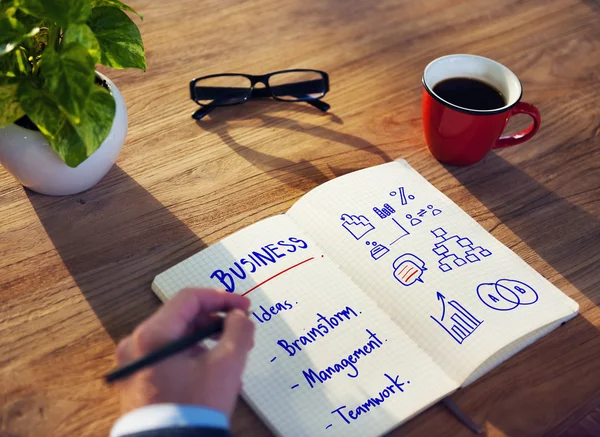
(297, 85)
(222, 90)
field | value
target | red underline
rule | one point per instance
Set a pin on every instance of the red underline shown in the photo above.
(280, 273)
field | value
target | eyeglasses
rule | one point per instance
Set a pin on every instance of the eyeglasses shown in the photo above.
(233, 89)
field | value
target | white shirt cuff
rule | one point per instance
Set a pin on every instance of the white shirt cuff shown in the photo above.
(161, 416)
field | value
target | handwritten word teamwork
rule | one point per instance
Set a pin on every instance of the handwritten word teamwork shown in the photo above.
(266, 255)
(394, 388)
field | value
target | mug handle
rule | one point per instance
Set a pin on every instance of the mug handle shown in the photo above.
(524, 135)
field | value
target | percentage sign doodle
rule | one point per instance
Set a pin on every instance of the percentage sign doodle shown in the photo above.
(402, 195)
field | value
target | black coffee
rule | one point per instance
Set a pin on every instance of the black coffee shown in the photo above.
(470, 93)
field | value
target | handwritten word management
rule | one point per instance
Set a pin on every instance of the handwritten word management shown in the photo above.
(312, 377)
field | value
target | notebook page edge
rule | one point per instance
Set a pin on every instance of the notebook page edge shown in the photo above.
(515, 347)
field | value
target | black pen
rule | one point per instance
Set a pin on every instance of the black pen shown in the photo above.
(166, 351)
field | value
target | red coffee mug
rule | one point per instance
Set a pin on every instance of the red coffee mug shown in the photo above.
(462, 136)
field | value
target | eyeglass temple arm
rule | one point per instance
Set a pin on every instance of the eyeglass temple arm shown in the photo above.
(202, 112)
(319, 104)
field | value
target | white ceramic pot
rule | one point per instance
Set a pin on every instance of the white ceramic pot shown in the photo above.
(28, 157)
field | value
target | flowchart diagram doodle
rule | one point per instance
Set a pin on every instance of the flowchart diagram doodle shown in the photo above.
(402, 196)
(357, 225)
(408, 269)
(456, 320)
(455, 251)
(506, 294)
(378, 250)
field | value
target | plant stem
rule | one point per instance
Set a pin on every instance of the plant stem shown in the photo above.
(53, 34)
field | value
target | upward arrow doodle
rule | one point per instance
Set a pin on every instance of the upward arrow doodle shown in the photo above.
(441, 297)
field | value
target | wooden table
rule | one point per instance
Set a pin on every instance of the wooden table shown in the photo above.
(75, 272)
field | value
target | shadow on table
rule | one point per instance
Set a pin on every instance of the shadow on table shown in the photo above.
(114, 239)
(554, 370)
(302, 175)
(562, 233)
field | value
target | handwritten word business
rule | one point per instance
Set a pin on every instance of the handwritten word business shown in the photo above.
(266, 255)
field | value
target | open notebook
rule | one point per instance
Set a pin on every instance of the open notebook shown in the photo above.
(374, 297)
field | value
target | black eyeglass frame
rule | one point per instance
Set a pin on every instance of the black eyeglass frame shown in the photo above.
(265, 92)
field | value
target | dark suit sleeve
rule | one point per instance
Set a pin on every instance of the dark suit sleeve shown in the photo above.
(182, 432)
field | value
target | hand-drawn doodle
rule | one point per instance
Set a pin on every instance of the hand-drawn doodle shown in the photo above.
(408, 269)
(357, 225)
(413, 220)
(403, 234)
(463, 251)
(434, 211)
(402, 195)
(456, 320)
(429, 208)
(378, 250)
(506, 294)
(385, 211)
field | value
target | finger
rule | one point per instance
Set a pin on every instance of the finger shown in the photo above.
(177, 316)
(196, 351)
(203, 321)
(125, 353)
(238, 335)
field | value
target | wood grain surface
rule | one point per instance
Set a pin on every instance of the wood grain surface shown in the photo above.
(75, 272)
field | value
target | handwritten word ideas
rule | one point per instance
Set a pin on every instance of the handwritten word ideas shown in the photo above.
(266, 255)
(326, 325)
(265, 314)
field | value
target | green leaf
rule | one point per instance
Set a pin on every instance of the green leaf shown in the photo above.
(81, 34)
(97, 119)
(12, 32)
(119, 38)
(115, 4)
(10, 108)
(73, 143)
(62, 12)
(69, 75)
(15, 64)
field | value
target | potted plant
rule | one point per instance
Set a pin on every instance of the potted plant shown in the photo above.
(62, 123)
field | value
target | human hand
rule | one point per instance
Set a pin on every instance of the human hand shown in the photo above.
(198, 376)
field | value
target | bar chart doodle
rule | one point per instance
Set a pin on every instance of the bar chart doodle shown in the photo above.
(456, 320)
(385, 211)
(455, 251)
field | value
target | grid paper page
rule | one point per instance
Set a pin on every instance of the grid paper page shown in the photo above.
(451, 286)
(326, 360)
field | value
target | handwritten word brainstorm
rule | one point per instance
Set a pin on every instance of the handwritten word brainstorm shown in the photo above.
(266, 255)
(325, 325)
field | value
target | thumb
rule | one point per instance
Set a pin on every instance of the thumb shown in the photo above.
(238, 335)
